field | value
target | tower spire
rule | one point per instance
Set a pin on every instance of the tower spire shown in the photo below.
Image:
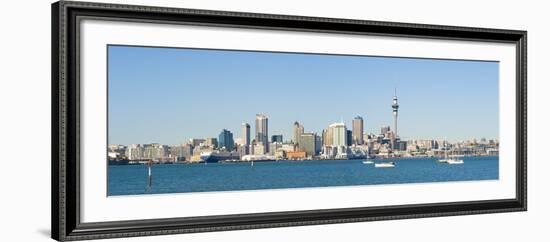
(395, 108)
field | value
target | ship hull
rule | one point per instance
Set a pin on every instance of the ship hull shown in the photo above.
(218, 157)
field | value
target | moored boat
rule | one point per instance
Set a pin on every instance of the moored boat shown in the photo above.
(217, 156)
(385, 165)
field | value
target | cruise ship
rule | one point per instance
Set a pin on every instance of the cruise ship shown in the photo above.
(217, 156)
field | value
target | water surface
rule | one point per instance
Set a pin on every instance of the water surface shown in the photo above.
(179, 178)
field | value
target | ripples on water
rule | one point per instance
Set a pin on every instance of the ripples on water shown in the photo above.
(178, 178)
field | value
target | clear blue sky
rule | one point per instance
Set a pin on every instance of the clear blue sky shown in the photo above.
(169, 95)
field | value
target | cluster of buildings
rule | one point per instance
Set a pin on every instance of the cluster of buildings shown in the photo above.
(336, 141)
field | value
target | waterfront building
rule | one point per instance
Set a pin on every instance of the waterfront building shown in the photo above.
(212, 142)
(226, 140)
(176, 152)
(342, 152)
(277, 138)
(119, 149)
(288, 147)
(280, 154)
(135, 152)
(339, 134)
(357, 130)
(187, 151)
(298, 130)
(113, 155)
(307, 144)
(274, 147)
(400, 145)
(259, 149)
(181, 152)
(242, 150)
(262, 131)
(295, 155)
(155, 151)
(426, 144)
(412, 148)
(328, 152)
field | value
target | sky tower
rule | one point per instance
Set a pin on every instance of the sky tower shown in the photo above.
(395, 108)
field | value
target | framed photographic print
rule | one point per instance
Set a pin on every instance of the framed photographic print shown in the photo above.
(170, 120)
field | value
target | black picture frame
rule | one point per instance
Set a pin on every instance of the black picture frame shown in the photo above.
(65, 221)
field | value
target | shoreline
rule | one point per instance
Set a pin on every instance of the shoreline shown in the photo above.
(127, 163)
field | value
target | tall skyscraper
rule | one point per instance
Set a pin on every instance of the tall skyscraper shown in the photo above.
(262, 131)
(357, 130)
(226, 140)
(328, 137)
(298, 130)
(349, 137)
(395, 108)
(245, 132)
(308, 144)
(339, 134)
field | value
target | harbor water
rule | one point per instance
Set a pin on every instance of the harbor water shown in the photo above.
(181, 178)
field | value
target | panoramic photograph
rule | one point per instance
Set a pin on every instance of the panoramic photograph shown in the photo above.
(184, 120)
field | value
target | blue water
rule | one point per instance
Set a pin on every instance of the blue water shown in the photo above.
(178, 178)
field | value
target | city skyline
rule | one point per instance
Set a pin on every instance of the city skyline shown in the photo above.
(166, 84)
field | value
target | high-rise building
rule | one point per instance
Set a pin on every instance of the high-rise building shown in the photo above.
(245, 132)
(339, 134)
(298, 130)
(318, 144)
(349, 137)
(328, 137)
(357, 129)
(262, 131)
(307, 144)
(278, 138)
(226, 140)
(212, 142)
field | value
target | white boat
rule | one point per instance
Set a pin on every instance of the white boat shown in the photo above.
(368, 162)
(455, 161)
(385, 165)
(446, 158)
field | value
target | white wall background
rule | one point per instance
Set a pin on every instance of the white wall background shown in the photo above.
(25, 120)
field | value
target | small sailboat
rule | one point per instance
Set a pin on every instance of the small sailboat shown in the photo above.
(446, 158)
(252, 163)
(453, 160)
(385, 165)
